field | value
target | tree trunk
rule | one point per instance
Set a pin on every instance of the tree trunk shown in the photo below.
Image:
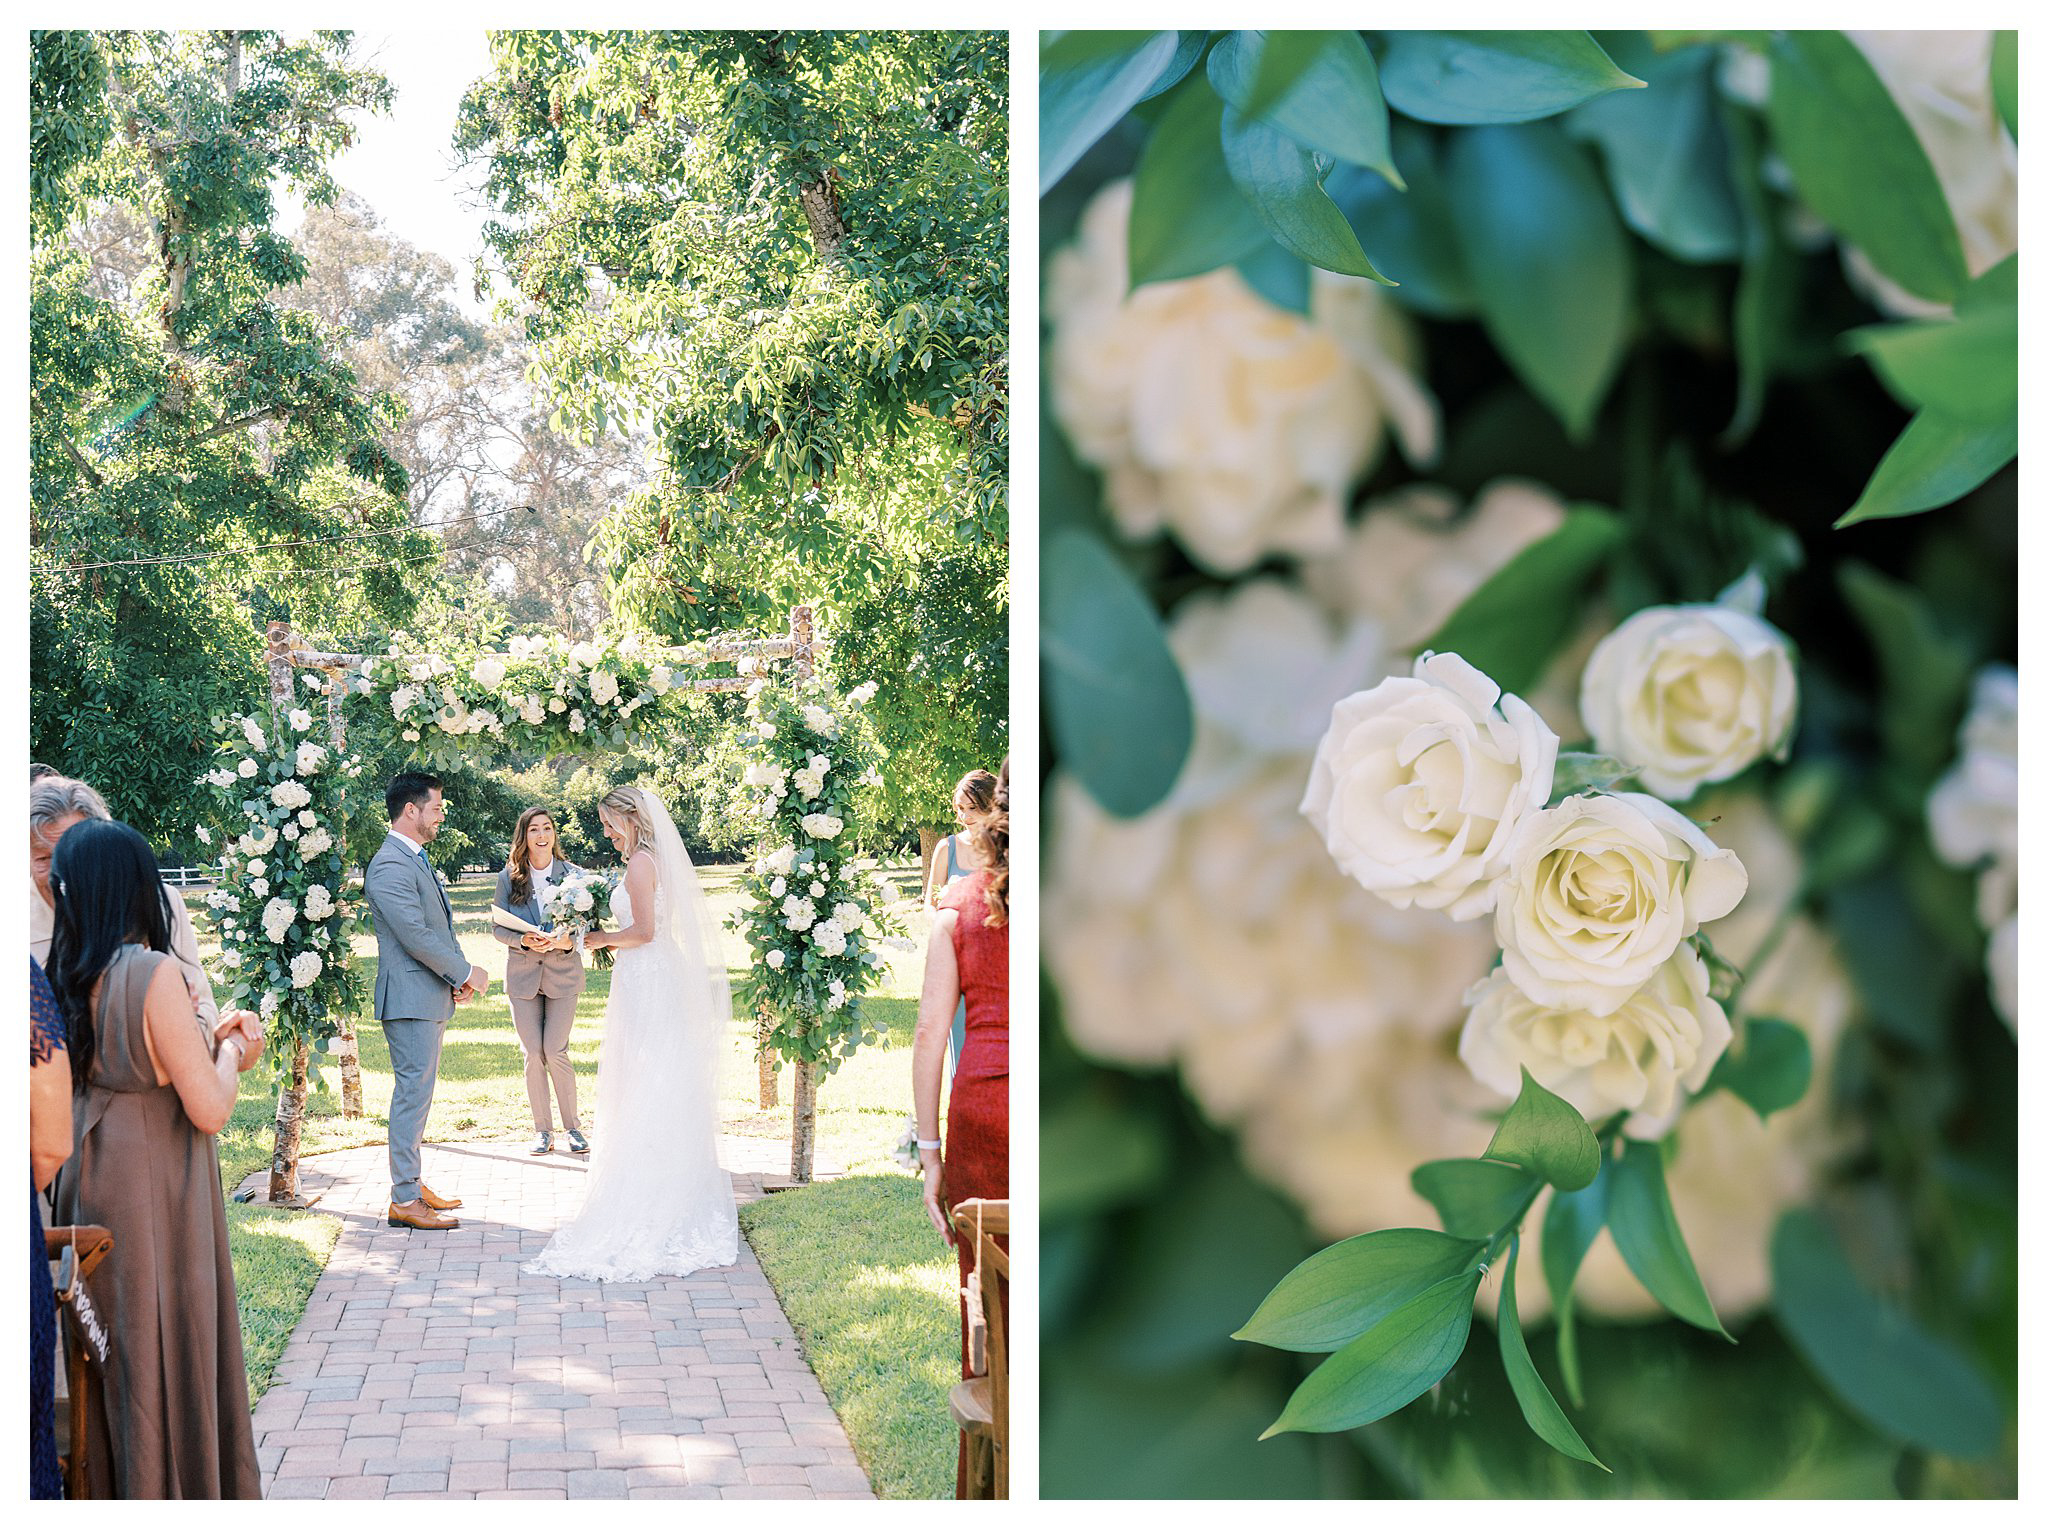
(764, 1056)
(803, 1123)
(928, 841)
(351, 1071)
(291, 1118)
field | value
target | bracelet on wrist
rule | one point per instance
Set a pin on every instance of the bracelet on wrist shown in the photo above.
(924, 1146)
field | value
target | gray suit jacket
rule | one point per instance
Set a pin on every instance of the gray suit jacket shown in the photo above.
(558, 974)
(419, 961)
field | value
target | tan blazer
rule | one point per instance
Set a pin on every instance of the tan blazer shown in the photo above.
(528, 974)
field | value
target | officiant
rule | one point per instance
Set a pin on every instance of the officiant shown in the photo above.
(543, 976)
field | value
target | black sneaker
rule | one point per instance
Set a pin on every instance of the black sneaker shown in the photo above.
(577, 1142)
(543, 1144)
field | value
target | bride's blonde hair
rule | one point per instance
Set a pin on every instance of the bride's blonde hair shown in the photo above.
(628, 805)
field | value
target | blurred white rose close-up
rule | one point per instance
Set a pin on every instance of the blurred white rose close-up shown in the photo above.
(1236, 425)
(1973, 820)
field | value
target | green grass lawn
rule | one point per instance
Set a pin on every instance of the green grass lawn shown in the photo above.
(864, 1278)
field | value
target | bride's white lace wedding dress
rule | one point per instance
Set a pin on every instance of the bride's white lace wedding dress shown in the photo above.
(658, 1203)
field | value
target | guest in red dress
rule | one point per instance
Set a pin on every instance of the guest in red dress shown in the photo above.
(969, 957)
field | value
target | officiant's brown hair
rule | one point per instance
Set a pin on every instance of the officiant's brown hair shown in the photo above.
(522, 875)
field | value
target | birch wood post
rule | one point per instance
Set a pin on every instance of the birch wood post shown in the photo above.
(344, 1047)
(764, 1057)
(803, 1133)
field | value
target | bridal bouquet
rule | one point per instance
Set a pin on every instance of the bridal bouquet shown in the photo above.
(1531, 876)
(579, 902)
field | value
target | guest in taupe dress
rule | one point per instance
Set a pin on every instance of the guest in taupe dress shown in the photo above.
(542, 979)
(151, 1087)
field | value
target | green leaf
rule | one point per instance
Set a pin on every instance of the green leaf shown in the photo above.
(1186, 217)
(1277, 177)
(1333, 1296)
(1966, 368)
(1548, 259)
(1646, 1232)
(1412, 233)
(1086, 82)
(1402, 1356)
(1475, 1198)
(1096, 1158)
(1666, 154)
(1858, 163)
(1772, 1071)
(1480, 77)
(1543, 1134)
(1578, 772)
(1187, 53)
(1934, 462)
(1874, 1357)
(2005, 79)
(1925, 670)
(1280, 278)
(1115, 701)
(1570, 1224)
(1319, 88)
(1511, 625)
(1538, 1406)
(1768, 288)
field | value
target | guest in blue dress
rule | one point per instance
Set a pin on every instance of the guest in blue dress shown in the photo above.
(974, 798)
(49, 1144)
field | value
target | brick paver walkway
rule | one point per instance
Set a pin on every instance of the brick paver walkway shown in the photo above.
(429, 1365)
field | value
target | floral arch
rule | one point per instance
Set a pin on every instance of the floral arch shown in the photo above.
(815, 919)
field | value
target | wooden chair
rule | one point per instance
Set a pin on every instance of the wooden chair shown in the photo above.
(981, 1406)
(88, 1246)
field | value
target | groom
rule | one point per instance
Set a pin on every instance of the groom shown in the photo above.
(421, 972)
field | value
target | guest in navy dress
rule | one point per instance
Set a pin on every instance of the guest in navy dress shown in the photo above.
(49, 1144)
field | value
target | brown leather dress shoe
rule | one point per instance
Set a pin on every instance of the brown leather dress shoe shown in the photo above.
(419, 1214)
(439, 1202)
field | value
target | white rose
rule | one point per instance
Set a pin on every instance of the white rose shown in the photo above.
(306, 818)
(778, 887)
(1973, 820)
(421, 670)
(412, 735)
(1599, 892)
(309, 759)
(1421, 784)
(258, 868)
(822, 825)
(584, 900)
(1941, 81)
(1646, 1057)
(488, 672)
(246, 769)
(1238, 426)
(776, 959)
(292, 831)
(301, 719)
(660, 678)
(1690, 695)
(557, 705)
(259, 887)
(582, 656)
(781, 859)
(766, 730)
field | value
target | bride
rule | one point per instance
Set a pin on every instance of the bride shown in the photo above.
(657, 1202)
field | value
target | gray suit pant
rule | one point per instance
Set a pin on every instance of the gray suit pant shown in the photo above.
(543, 1025)
(415, 1062)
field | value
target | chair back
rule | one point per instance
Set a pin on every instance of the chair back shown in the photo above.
(981, 1223)
(79, 1251)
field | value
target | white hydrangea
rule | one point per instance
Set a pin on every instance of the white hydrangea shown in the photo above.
(863, 693)
(253, 734)
(828, 937)
(316, 842)
(604, 687)
(818, 720)
(290, 795)
(205, 834)
(223, 777)
(583, 655)
(576, 722)
(319, 901)
(306, 967)
(1236, 425)
(798, 913)
(780, 860)
(278, 915)
(836, 995)
(488, 672)
(822, 825)
(267, 1006)
(848, 915)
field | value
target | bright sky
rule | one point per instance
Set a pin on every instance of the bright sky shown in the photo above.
(403, 163)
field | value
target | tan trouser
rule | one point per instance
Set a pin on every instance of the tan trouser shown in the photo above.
(543, 1026)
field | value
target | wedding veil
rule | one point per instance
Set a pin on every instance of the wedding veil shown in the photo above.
(689, 922)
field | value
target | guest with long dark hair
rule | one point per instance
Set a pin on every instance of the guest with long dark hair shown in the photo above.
(968, 958)
(151, 1087)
